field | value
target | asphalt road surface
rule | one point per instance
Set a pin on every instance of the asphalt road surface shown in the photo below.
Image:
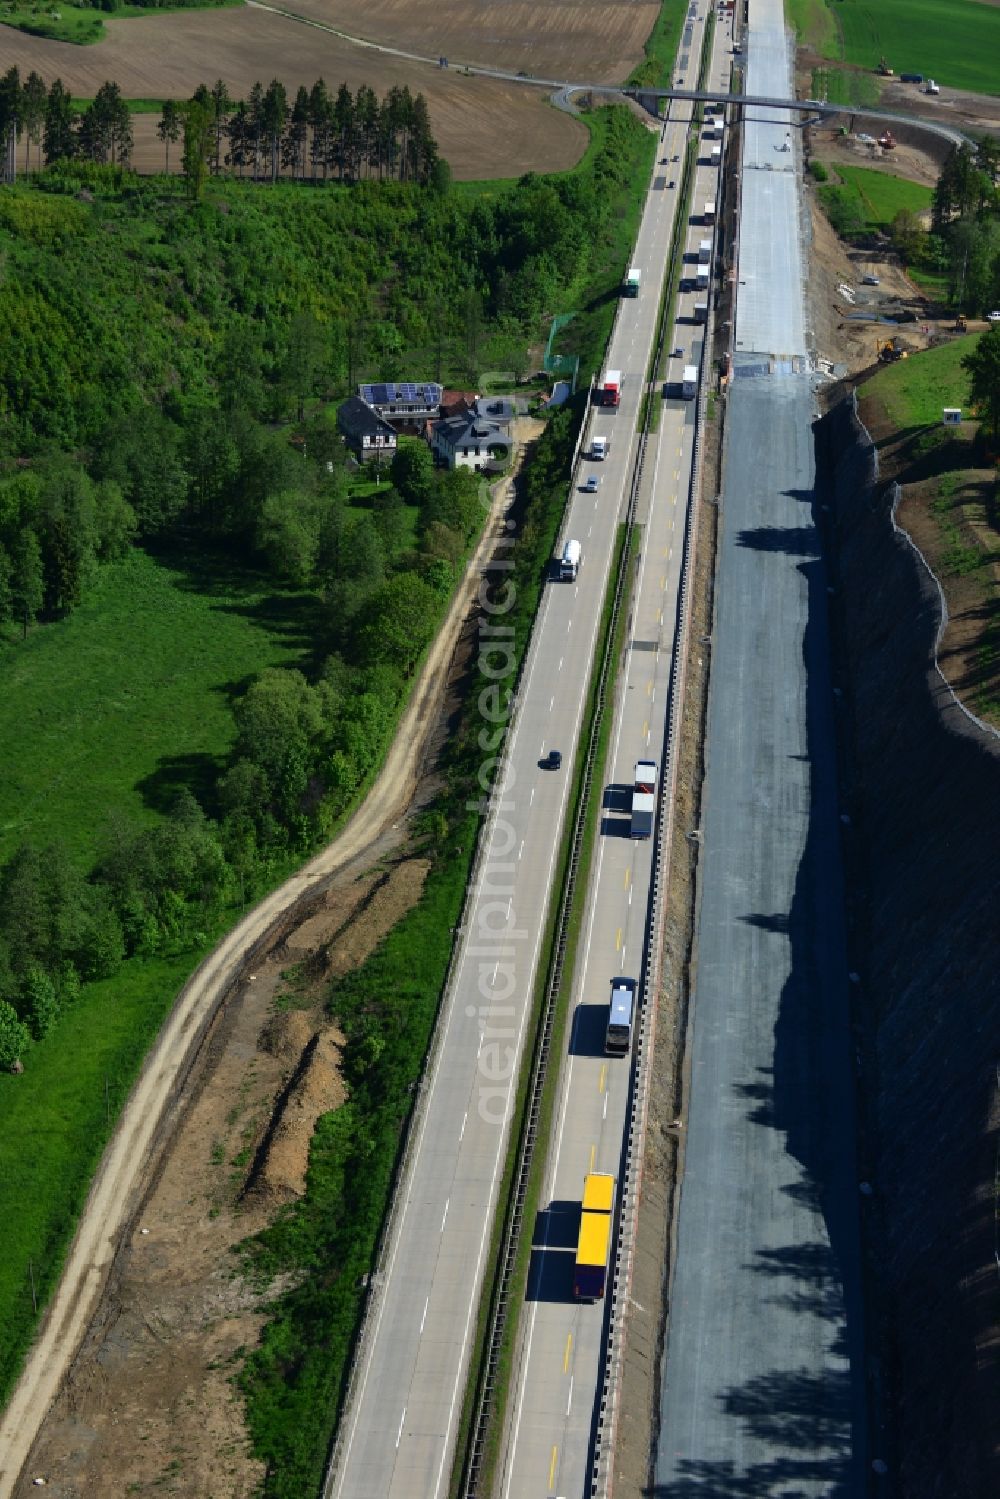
(763, 1377)
(551, 1412)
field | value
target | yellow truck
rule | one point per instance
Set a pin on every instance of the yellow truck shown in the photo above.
(594, 1242)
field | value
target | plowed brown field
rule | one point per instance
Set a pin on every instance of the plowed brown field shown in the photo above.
(594, 41)
(484, 127)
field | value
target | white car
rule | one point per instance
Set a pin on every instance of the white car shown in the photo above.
(993, 317)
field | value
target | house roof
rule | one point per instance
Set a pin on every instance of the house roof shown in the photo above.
(357, 419)
(455, 402)
(496, 408)
(470, 428)
(402, 393)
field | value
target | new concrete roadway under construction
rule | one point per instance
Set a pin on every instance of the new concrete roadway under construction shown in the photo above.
(763, 1375)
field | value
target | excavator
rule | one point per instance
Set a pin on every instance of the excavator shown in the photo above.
(890, 351)
(961, 326)
(887, 141)
(883, 70)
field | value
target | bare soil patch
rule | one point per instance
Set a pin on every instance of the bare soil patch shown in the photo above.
(592, 40)
(484, 127)
(149, 1405)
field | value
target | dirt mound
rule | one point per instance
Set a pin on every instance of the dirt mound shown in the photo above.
(337, 910)
(279, 1173)
(391, 899)
(286, 1035)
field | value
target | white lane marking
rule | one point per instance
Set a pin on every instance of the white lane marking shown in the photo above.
(569, 1399)
(399, 1433)
(521, 849)
(424, 1317)
(551, 702)
(444, 1217)
(465, 1120)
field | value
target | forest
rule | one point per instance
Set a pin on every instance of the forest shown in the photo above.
(317, 136)
(167, 376)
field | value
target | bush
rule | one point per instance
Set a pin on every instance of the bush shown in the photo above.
(819, 171)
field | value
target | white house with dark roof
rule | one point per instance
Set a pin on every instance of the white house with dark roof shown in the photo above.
(472, 440)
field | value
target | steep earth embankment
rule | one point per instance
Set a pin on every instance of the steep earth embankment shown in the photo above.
(922, 787)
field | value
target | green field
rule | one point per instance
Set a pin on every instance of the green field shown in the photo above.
(83, 24)
(55, 1123)
(958, 43)
(914, 390)
(871, 198)
(845, 86)
(112, 709)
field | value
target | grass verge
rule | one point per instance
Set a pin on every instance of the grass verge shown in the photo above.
(626, 550)
(657, 68)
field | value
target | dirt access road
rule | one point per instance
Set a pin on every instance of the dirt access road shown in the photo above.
(143, 1127)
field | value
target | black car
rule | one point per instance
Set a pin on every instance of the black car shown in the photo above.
(553, 760)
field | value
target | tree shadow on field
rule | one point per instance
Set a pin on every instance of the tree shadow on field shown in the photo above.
(197, 773)
(236, 586)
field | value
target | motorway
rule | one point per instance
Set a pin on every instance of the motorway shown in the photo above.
(548, 1442)
(763, 1387)
(397, 1437)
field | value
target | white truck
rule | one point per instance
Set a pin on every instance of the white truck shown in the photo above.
(708, 217)
(569, 562)
(689, 382)
(714, 127)
(716, 156)
(633, 282)
(930, 87)
(643, 799)
(701, 312)
(599, 448)
(704, 252)
(701, 278)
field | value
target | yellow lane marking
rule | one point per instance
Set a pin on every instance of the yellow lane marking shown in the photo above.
(618, 941)
(604, 1078)
(569, 1345)
(593, 1152)
(552, 1468)
(645, 729)
(628, 876)
(649, 688)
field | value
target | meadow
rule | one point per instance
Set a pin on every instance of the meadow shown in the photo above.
(958, 43)
(873, 198)
(129, 697)
(914, 390)
(83, 24)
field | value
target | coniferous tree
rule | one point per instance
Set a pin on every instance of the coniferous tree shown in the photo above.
(11, 104)
(60, 136)
(33, 100)
(222, 105)
(169, 128)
